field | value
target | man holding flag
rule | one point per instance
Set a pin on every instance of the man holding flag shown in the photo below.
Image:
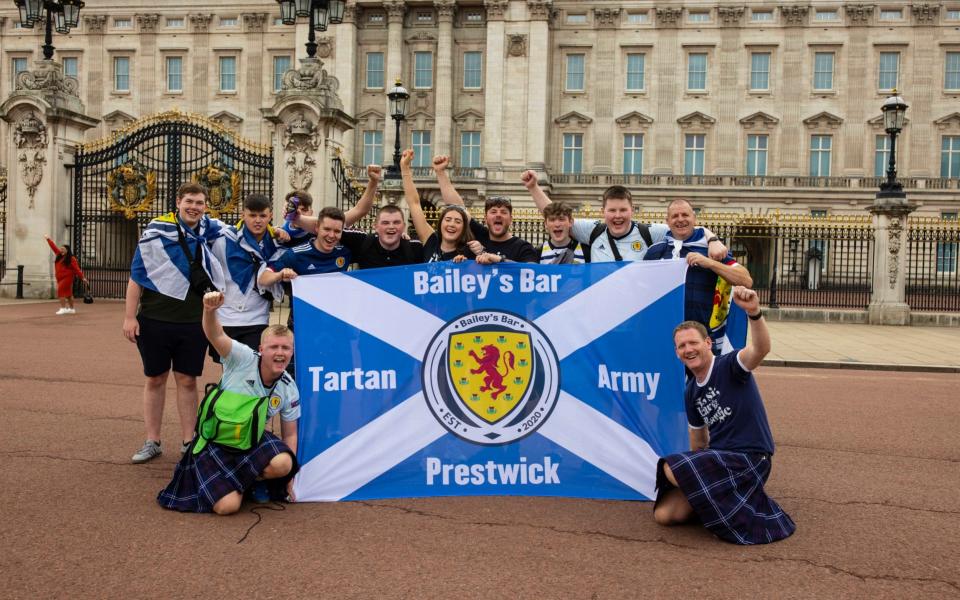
(709, 281)
(171, 270)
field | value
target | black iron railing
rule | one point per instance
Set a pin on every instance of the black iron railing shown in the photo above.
(933, 258)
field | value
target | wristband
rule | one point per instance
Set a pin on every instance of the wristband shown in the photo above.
(756, 317)
(713, 239)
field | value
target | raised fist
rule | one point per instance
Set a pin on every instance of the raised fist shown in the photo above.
(746, 299)
(406, 159)
(440, 162)
(213, 300)
(375, 173)
(529, 179)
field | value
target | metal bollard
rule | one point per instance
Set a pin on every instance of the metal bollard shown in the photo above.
(19, 282)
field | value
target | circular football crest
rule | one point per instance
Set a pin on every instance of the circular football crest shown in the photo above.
(491, 377)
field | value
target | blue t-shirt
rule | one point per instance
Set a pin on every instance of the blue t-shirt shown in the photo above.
(729, 404)
(305, 259)
(705, 301)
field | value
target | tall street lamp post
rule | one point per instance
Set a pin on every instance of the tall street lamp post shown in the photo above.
(320, 12)
(62, 15)
(894, 114)
(398, 96)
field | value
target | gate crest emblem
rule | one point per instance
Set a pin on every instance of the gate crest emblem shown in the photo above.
(132, 189)
(224, 186)
(490, 371)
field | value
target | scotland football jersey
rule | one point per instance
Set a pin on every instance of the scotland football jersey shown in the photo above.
(306, 259)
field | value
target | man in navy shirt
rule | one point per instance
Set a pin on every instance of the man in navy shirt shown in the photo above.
(721, 479)
(709, 281)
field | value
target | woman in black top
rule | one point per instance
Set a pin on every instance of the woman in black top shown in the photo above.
(450, 243)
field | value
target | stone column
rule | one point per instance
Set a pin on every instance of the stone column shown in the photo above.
(345, 67)
(861, 85)
(200, 62)
(254, 25)
(791, 138)
(888, 301)
(669, 76)
(922, 86)
(97, 80)
(47, 120)
(493, 102)
(443, 116)
(538, 89)
(395, 12)
(607, 84)
(151, 73)
(725, 160)
(310, 129)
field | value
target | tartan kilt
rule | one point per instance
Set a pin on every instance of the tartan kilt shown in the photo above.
(726, 492)
(200, 480)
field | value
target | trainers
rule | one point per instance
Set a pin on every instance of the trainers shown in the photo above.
(71, 311)
(62, 311)
(184, 447)
(150, 450)
(261, 493)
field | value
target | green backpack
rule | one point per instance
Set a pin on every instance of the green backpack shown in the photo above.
(230, 419)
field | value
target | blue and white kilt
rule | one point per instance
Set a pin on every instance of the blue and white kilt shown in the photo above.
(200, 480)
(726, 492)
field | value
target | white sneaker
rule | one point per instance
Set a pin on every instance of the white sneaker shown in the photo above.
(71, 311)
(62, 311)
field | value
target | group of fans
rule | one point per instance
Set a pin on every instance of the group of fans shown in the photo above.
(198, 283)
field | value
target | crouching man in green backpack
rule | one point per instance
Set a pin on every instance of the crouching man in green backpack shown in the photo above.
(232, 451)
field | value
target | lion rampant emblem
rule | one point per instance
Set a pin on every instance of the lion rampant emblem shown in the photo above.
(488, 365)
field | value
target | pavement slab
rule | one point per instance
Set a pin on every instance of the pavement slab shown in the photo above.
(867, 464)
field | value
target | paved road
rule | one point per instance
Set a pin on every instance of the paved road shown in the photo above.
(868, 465)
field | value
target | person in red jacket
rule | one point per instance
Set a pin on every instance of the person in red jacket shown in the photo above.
(66, 268)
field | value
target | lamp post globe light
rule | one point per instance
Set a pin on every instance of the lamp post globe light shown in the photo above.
(894, 116)
(62, 15)
(321, 13)
(398, 96)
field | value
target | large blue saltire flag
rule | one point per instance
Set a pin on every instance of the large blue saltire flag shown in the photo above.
(462, 379)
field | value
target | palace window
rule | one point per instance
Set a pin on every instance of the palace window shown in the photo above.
(757, 155)
(694, 153)
(633, 153)
(573, 153)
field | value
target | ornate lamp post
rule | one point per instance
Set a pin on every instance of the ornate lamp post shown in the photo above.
(320, 12)
(894, 114)
(890, 211)
(398, 96)
(63, 15)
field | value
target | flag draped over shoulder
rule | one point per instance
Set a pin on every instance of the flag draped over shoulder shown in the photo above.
(245, 259)
(160, 264)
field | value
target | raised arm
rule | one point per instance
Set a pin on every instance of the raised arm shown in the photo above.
(540, 198)
(449, 193)
(735, 274)
(759, 345)
(53, 245)
(212, 328)
(412, 196)
(365, 203)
